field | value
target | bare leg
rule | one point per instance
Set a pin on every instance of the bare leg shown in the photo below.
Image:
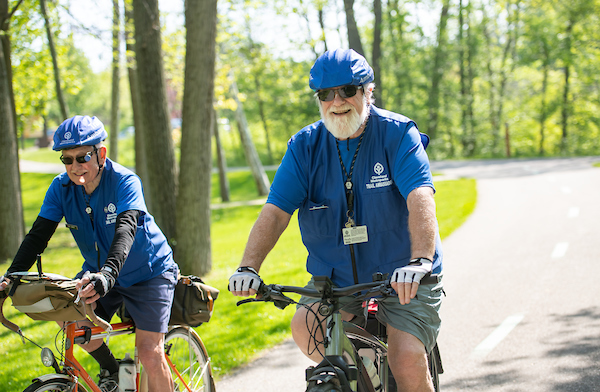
(150, 347)
(408, 361)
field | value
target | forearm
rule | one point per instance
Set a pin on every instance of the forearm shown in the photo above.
(265, 233)
(422, 222)
(125, 230)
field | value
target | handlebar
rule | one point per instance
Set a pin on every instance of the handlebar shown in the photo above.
(325, 290)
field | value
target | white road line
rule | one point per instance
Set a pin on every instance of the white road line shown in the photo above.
(573, 212)
(502, 331)
(560, 250)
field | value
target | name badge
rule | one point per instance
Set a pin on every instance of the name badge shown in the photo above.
(355, 235)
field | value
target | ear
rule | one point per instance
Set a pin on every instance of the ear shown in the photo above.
(102, 154)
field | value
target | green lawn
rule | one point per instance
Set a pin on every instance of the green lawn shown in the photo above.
(235, 334)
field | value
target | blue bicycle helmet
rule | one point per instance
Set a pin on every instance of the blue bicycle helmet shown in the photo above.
(79, 131)
(340, 67)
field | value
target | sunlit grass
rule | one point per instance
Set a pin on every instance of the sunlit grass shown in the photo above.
(235, 334)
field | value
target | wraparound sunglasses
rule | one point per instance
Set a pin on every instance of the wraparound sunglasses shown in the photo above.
(344, 92)
(81, 159)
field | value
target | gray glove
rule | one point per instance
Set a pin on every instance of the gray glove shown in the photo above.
(244, 279)
(413, 272)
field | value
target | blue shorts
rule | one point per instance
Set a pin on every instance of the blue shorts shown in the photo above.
(148, 303)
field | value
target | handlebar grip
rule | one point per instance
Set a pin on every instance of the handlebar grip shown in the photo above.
(431, 279)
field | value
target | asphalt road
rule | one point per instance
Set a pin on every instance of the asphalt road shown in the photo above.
(521, 275)
(522, 311)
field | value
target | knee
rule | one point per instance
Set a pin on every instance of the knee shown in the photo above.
(151, 355)
(411, 372)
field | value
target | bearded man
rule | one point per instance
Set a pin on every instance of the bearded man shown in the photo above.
(363, 168)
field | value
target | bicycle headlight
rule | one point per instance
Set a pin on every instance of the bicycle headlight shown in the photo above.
(47, 357)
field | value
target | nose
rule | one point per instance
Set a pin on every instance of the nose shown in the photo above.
(337, 98)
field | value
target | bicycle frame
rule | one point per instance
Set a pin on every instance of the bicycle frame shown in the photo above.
(76, 371)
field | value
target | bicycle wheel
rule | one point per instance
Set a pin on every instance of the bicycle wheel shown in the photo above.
(189, 359)
(59, 385)
(435, 367)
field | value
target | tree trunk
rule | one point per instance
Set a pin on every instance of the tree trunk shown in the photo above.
(437, 73)
(158, 142)
(114, 110)
(221, 162)
(258, 171)
(543, 109)
(263, 118)
(377, 49)
(353, 34)
(322, 24)
(11, 208)
(565, 95)
(5, 17)
(193, 201)
(136, 107)
(64, 110)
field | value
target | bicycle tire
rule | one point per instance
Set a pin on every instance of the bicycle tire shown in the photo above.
(189, 356)
(57, 385)
(435, 368)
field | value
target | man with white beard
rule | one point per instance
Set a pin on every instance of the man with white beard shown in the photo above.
(363, 169)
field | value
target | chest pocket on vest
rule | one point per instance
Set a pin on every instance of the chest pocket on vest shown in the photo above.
(385, 210)
(318, 219)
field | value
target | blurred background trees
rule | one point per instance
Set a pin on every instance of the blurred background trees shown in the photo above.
(484, 78)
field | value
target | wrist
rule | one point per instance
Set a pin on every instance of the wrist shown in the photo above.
(247, 269)
(420, 260)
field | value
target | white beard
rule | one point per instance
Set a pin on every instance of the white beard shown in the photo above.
(342, 127)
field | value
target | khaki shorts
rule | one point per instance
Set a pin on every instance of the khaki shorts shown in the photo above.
(419, 318)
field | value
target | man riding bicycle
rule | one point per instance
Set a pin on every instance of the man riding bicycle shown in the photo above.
(127, 257)
(361, 181)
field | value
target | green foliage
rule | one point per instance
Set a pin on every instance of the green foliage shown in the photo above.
(235, 335)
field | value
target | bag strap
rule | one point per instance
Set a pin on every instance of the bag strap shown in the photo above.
(10, 325)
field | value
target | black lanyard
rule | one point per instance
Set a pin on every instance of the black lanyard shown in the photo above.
(90, 213)
(350, 199)
(348, 183)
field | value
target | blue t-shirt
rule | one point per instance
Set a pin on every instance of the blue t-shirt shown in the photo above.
(391, 162)
(119, 190)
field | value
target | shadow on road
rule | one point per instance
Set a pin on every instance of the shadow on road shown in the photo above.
(579, 340)
(574, 360)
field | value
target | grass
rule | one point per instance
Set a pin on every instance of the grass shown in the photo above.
(235, 335)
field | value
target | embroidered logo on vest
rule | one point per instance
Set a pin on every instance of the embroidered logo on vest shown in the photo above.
(111, 214)
(379, 180)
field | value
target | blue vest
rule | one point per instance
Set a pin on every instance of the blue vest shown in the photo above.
(119, 190)
(391, 162)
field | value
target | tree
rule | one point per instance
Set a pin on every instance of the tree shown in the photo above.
(353, 35)
(11, 208)
(258, 171)
(193, 201)
(116, 61)
(221, 161)
(158, 143)
(59, 93)
(437, 72)
(377, 46)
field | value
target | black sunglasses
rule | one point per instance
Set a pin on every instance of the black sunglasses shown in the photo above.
(344, 92)
(81, 159)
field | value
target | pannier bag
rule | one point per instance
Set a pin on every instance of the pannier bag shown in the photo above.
(49, 297)
(193, 302)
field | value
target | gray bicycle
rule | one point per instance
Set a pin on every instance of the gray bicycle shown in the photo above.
(355, 357)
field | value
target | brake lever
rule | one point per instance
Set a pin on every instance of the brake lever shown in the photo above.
(248, 300)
